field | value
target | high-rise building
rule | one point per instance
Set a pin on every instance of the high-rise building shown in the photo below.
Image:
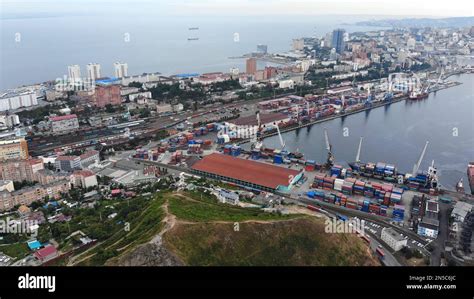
(121, 69)
(251, 66)
(338, 40)
(74, 73)
(262, 49)
(93, 71)
(298, 44)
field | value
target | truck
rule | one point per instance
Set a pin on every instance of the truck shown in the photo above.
(380, 253)
(341, 217)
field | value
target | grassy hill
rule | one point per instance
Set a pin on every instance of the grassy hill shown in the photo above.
(194, 229)
(298, 242)
(205, 234)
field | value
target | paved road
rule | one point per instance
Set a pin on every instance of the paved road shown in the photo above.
(442, 234)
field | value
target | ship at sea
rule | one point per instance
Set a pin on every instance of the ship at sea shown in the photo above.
(193, 28)
(193, 38)
(470, 176)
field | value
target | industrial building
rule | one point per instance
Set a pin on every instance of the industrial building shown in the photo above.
(266, 119)
(460, 211)
(247, 173)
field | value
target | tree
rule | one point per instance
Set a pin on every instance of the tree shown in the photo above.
(109, 108)
(135, 84)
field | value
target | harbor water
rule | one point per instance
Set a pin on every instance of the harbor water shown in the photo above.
(397, 133)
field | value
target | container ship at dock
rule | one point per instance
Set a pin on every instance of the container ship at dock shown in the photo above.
(424, 181)
(470, 176)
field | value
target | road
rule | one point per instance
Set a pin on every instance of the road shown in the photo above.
(442, 234)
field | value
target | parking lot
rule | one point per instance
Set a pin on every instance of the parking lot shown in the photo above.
(376, 229)
(5, 260)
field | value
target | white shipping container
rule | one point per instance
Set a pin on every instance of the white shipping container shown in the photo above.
(338, 184)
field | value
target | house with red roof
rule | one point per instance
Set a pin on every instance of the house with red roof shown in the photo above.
(46, 254)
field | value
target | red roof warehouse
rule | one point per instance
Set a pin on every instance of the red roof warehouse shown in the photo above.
(249, 173)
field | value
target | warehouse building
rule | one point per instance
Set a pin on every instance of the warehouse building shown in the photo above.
(247, 173)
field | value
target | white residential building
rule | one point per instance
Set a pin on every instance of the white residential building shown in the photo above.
(145, 94)
(74, 73)
(286, 84)
(12, 100)
(120, 69)
(393, 239)
(9, 120)
(93, 71)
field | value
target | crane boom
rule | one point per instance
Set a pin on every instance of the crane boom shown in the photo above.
(358, 150)
(328, 145)
(330, 160)
(417, 165)
(282, 142)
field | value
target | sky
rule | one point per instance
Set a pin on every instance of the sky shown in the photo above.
(413, 8)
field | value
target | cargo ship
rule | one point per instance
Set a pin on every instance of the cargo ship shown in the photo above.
(460, 187)
(193, 28)
(417, 95)
(470, 176)
(193, 38)
(380, 170)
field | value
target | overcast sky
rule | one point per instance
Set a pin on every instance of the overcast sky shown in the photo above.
(435, 8)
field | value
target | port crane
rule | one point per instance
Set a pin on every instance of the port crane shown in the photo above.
(282, 142)
(368, 101)
(416, 167)
(257, 140)
(357, 160)
(330, 160)
(389, 95)
(432, 179)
